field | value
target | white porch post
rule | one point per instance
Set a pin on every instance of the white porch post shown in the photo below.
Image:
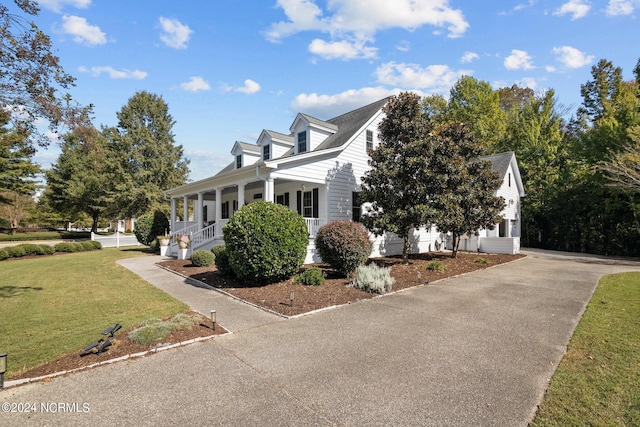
(268, 190)
(185, 210)
(240, 195)
(173, 214)
(198, 209)
(218, 228)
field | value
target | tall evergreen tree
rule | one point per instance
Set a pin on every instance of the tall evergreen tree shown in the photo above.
(152, 160)
(395, 185)
(17, 170)
(87, 178)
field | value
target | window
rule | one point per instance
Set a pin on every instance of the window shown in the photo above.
(238, 161)
(356, 207)
(257, 196)
(225, 210)
(235, 205)
(266, 152)
(307, 204)
(509, 179)
(302, 142)
(369, 140)
(283, 199)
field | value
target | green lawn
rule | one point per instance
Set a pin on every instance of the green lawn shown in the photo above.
(54, 305)
(598, 380)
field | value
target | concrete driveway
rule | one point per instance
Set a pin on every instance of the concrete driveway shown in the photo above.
(473, 350)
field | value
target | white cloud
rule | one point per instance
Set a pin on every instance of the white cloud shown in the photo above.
(195, 84)
(518, 60)
(82, 31)
(361, 20)
(576, 8)
(342, 50)
(250, 87)
(327, 106)
(571, 57)
(529, 82)
(469, 57)
(57, 5)
(174, 33)
(113, 73)
(404, 46)
(622, 7)
(437, 78)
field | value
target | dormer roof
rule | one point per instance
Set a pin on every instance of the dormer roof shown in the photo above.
(244, 147)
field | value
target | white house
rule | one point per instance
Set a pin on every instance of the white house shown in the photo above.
(316, 169)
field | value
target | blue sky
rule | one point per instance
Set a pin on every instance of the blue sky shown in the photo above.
(230, 68)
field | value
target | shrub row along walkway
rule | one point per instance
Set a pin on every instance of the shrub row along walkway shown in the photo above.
(473, 350)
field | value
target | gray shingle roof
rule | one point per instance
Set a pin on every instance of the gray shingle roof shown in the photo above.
(500, 162)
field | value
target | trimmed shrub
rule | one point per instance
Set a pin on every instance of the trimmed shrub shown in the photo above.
(96, 244)
(202, 258)
(15, 251)
(437, 266)
(311, 276)
(149, 226)
(222, 260)
(266, 242)
(481, 260)
(47, 249)
(3, 254)
(65, 247)
(31, 249)
(372, 278)
(344, 245)
(87, 245)
(152, 330)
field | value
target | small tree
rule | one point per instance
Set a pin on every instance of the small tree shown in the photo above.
(151, 225)
(266, 242)
(465, 184)
(397, 185)
(344, 245)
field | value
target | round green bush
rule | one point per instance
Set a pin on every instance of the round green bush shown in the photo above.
(64, 247)
(202, 258)
(266, 242)
(47, 249)
(344, 245)
(222, 260)
(15, 251)
(87, 245)
(3, 254)
(31, 249)
(96, 244)
(311, 277)
(149, 226)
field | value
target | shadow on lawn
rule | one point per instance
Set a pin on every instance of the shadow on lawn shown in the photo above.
(14, 291)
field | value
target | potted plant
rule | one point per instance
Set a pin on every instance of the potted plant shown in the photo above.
(164, 244)
(183, 245)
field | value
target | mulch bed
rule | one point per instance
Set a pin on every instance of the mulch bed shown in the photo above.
(336, 290)
(276, 297)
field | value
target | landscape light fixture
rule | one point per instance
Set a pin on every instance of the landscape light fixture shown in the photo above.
(291, 296)
(3, 368)
(213, 319)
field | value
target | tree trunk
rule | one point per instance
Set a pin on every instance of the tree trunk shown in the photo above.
(94, 225)
(405, 249)
(454, 245)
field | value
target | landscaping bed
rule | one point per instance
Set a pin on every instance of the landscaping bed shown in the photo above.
(336, 290)
(122, 346)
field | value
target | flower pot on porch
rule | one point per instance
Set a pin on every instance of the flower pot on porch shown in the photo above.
(164, 246)
(182, 245)
(182, 253)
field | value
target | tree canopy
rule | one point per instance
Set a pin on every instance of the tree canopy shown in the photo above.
(33, 84)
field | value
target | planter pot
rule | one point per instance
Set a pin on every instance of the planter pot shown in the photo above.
(182, 245)
(164, 242)
(164, 250)
(182, 253)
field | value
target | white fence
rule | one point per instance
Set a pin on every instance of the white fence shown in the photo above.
(116, 240)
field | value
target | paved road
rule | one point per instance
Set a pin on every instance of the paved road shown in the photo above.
(474, 350)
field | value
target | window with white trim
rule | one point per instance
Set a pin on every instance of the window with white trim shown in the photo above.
(266, 152)
(238, 161)
(369, 140)
(302, 142)
(307, 204)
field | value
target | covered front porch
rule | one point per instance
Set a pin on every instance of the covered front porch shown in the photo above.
(208, 206)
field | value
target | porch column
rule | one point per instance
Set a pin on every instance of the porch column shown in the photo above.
(173, 214)
(198, 210)
(218, 228)
(268, 190)
(185, 210)
(240, 195)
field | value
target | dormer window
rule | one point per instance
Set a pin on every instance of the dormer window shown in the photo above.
(238, 161)
(302, 142)
(266, 152)
(369, 140)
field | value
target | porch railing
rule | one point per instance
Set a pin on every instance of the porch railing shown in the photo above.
(313, 224)
(202, 236)
(185, 231)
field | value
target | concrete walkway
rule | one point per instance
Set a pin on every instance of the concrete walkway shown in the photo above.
(476, 350)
